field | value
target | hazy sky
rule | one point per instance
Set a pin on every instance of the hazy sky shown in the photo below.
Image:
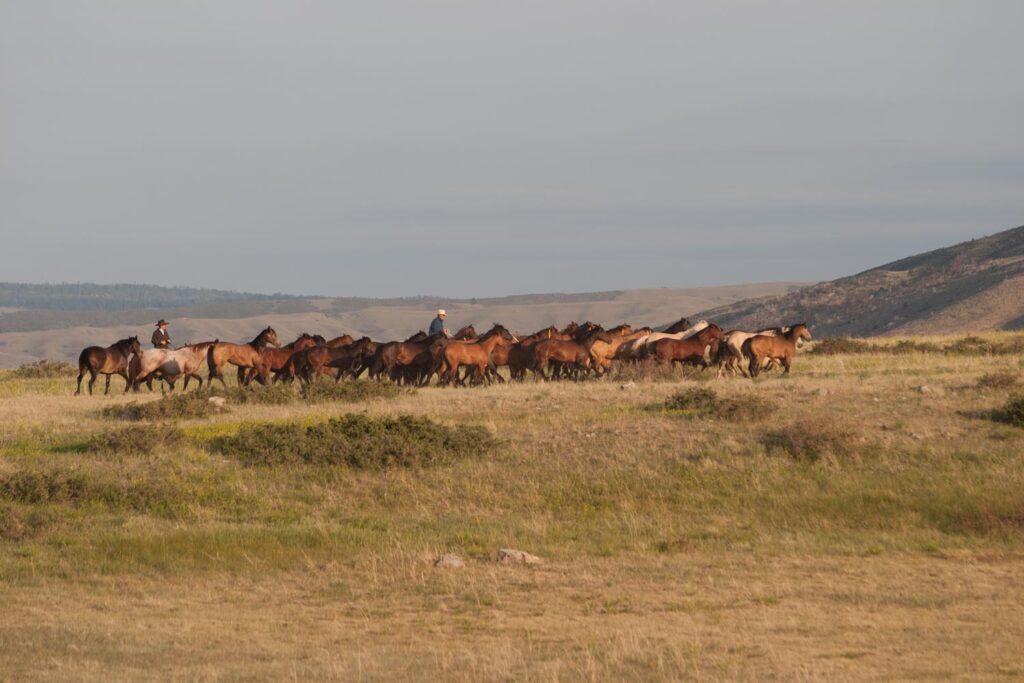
(484, 147)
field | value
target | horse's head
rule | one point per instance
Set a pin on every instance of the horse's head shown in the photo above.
(585, 330)
(503, 333)
(712, 333)
(270, 337)
(571, 328)
(801, 332)
(134, 346)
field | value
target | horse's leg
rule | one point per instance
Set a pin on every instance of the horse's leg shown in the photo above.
(106, 385)
(124, 373)
(92, 379)
(81, 374)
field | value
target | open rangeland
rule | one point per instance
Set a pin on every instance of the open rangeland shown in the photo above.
(861, 518)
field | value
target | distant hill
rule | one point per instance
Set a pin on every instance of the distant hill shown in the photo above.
(27, 335)
(119, 297)
(973, 285)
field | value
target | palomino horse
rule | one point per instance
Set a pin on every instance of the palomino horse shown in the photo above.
(112, 360)
(241, 355)
(730, 351)
(277, 358)
(690, 350)
(170, 364)
(473, 354)
(780, 348)
(603, 353)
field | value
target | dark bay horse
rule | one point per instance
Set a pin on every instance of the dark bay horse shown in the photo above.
(241, 355)
(112, 360)
(690, 350)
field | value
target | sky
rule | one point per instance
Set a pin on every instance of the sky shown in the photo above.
(486, 148)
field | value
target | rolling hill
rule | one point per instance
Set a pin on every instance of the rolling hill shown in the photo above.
(28, 335)
(975, 285)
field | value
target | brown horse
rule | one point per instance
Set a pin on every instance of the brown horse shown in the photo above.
(319, 361)
(276, 359)
(417, 354)
(241, 355)
(690, 350)
(110, 360)
(780, 348)
(467, 332)
(338, 342)
(475, 355)
(519, 357)
(574, 355)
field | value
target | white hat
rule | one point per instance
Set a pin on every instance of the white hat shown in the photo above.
(441, 311)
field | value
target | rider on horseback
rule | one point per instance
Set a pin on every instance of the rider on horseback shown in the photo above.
(161, 340)
(437, 324)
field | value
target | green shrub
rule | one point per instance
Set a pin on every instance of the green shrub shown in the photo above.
(272, 394)
(704, 403)
(135, 439)
(813, 440)
(178, 406)
(1012, 412)
(43, 369)
(842, 345)
(357, 441)
(349, 391)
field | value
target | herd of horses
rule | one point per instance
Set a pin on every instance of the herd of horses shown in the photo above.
(575, 352)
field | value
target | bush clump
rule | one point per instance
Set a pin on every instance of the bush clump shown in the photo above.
(349, 391)
(1012, 413)
(272, 394)
(998, 380)
(43, 369)
(178, 406)
(357, 441)
(704, 403)
(813, 440)
(842, 345)
(136, 439)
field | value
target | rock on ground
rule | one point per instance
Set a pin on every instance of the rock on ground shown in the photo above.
(449, 561)
(512, 556)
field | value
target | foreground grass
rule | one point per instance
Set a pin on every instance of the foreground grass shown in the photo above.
(871, 523)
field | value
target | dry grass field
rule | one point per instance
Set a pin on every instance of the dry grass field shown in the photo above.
(862, 518)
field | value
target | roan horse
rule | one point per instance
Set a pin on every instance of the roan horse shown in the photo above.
(112, 360)
(241, 355)
(780, 348)
(170, 364)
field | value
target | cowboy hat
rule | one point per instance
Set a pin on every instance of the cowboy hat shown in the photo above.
(161, 322)
(441, 311)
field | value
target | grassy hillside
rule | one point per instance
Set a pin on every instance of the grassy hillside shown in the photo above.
(853, 526)
(973, 285)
